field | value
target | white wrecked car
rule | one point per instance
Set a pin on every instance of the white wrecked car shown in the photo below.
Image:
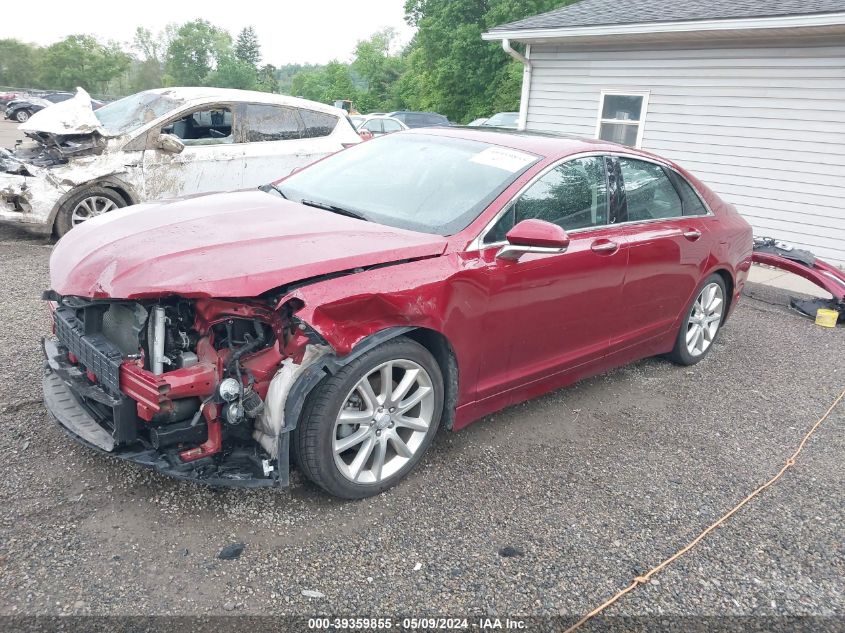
(78, 163)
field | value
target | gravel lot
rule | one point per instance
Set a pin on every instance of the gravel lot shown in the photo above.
(9, 133)
(592, 485)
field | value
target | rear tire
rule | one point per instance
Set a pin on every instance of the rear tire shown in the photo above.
(83, 205)
(354, 438)
(702, 322)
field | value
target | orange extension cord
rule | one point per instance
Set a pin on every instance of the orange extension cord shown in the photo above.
(641, 580)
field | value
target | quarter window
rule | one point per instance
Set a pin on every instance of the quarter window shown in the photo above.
(271, 123)
(649, 193)
(621, 118)
(318, 123)
(691, 202)
(573, 195)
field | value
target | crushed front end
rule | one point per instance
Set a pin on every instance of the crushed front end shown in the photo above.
(173, 384)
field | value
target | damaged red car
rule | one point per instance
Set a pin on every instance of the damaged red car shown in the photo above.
(342, 315)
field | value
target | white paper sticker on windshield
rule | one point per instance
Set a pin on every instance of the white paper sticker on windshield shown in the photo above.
(502, 158)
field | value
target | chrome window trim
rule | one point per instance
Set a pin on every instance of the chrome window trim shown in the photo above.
(478, 243)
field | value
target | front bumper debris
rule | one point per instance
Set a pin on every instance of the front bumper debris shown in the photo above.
(804, 264)
(91, 416)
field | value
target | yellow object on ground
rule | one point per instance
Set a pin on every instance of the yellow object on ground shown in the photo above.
(826, 318)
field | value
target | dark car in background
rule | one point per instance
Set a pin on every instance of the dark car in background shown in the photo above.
(7, 97)
(420, 119)
(21, 109)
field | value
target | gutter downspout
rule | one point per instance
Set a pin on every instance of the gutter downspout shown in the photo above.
(526, 79)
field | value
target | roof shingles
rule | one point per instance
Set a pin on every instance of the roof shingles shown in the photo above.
(609, 12)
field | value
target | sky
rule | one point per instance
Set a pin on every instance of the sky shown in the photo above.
(290, 31)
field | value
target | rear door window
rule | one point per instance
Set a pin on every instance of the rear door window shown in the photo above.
(649, 193)
(265, 122)
(318, 123)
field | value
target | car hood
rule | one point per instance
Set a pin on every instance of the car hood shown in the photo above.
(238, 244)
(74, 116)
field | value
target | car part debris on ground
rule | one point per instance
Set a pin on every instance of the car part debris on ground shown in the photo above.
(804, 264)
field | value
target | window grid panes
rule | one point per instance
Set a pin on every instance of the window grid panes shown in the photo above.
(621, 117)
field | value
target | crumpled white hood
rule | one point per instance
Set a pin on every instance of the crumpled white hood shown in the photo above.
(74, 116)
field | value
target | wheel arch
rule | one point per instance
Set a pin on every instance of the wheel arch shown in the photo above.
(728, 278)
(118, 185)
(435, 342)
(440, 347)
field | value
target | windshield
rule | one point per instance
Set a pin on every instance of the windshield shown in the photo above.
(431, 184)
(132, 112)
(502, 119)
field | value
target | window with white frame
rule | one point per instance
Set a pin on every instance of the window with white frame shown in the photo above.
(621, 117)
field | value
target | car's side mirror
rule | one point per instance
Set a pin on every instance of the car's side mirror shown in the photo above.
(533, 236)
(170, 143)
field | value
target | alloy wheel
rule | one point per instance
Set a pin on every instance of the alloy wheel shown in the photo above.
(383, 421)
(91, 207)
(705, 319)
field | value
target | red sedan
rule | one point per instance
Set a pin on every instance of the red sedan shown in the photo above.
(341, 315)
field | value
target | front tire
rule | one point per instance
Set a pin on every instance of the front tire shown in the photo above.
(366, 427)
(22, 116)
(84, 205)
(702, 322)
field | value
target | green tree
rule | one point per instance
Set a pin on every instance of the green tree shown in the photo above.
(148, 69)
(232, 72)
(80, 60)
(18, 63)
(451, 69)
(267, 81)
(194, 51)
(325, 84)
(379, 69)
(247, 48)
(286, 73)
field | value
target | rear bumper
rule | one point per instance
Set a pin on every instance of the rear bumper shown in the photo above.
(98, 420)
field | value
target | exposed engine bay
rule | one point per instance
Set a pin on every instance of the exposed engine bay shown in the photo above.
(179, 385)
(46, 150)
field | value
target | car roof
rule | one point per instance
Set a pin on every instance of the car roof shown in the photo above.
(208, 94)
(547, 144)
(416, 112)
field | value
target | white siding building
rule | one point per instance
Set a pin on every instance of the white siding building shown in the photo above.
(749, 97)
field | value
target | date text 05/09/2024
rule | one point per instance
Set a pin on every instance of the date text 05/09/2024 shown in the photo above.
(415, 624)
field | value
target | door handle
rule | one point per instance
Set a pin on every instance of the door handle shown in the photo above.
(692, 234)
(604, 247)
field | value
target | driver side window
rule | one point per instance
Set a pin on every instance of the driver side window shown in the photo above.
(573, 195)
(209, 126)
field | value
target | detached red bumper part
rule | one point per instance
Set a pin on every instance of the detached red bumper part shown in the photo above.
(804, 264)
